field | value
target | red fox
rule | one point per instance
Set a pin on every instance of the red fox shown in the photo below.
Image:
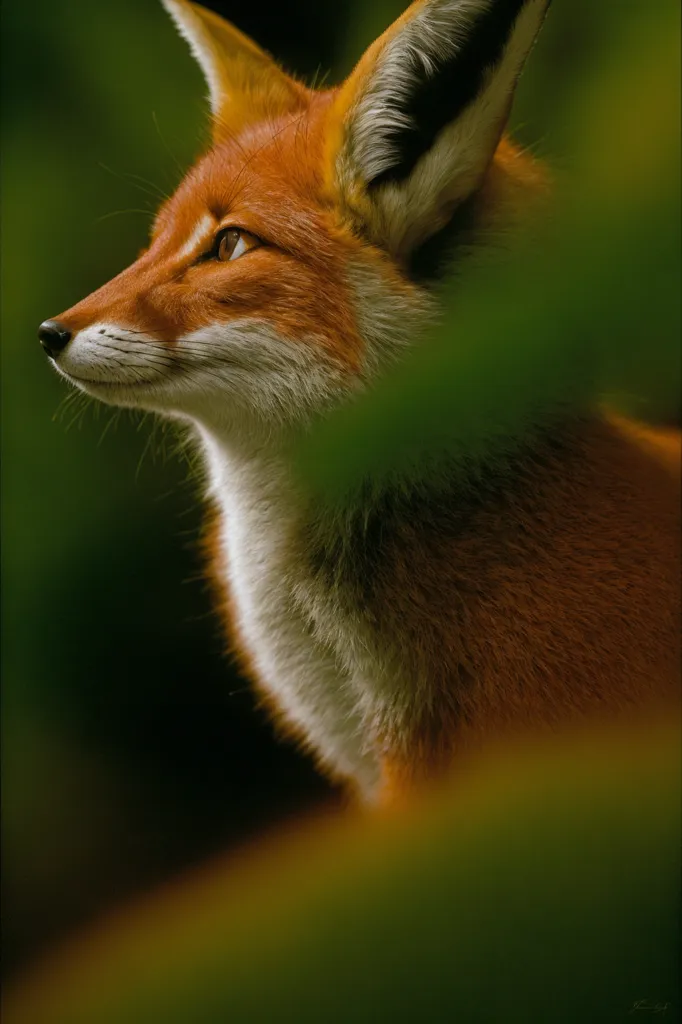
(286, 274)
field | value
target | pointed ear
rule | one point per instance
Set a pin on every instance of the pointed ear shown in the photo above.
(245, 84)
(416, 125)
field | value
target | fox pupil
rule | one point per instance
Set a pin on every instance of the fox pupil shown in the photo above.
(227, 243)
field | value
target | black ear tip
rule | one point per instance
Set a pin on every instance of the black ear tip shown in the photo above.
(438, 99)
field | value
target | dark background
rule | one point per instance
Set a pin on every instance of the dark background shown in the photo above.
(131, 747)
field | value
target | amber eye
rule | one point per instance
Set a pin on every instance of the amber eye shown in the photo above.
(232, 243)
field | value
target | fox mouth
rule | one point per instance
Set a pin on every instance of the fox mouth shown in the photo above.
(100, 388)
(97, 383)
(94, 382)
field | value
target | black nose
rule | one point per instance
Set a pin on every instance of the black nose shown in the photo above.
(53, 336)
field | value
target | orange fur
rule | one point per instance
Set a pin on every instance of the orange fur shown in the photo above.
(279, 201)
(557, 600)
(547, 587)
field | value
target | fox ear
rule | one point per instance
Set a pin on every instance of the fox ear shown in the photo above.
(245, 84)
(417, 123)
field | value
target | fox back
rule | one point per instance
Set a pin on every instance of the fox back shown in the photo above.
(293, 266)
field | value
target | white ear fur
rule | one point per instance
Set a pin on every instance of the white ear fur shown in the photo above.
(243, 81)
(476, 49)
(204, 51)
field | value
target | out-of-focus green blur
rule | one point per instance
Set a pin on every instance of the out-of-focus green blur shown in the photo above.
(538, 887)
(130, 746)
(590, 310)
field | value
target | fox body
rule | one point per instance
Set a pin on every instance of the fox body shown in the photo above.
(282, 278)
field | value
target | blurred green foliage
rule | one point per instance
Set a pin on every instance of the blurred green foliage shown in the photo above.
(116, 771)
(591, 310)
(542, 890)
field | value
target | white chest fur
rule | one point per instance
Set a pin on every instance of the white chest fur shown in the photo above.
(315, 694)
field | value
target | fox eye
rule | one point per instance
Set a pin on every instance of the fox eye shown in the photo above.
(231, 243)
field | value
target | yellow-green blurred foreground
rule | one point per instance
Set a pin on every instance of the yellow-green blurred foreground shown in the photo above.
(132, 751)
(540, 888)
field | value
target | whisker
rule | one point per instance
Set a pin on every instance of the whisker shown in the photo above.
(171, 154)
(234, 193)
(145, 181)
(119, 213)
(114, 418)
(80, 412)
(138, 181)
(145, 357)
(151, 436)
(69, 399)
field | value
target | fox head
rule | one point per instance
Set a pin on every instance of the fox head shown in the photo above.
(294, 260)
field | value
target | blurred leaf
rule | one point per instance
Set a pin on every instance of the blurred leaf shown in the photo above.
(552, 323)
(542, 889)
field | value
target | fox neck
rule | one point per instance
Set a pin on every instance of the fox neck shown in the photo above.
(253, 483)
(383, 610)
(251, 473)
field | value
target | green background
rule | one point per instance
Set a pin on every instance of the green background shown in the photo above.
(131, 749)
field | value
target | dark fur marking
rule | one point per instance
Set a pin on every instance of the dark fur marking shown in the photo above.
(430, 261)
(435, 102)
(392, 521)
